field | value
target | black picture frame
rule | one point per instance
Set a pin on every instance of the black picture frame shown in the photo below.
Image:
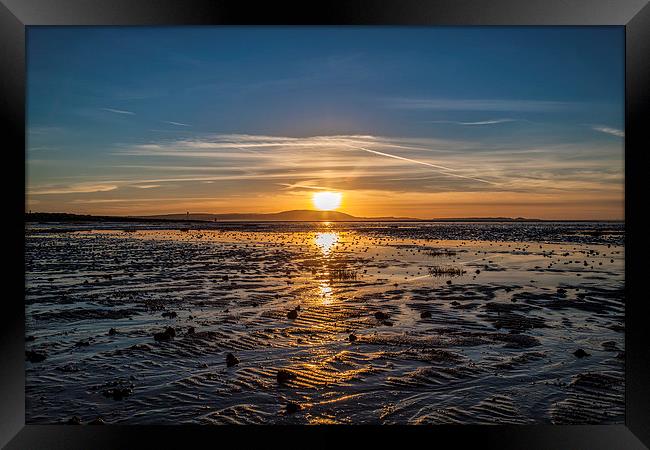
(16, 15)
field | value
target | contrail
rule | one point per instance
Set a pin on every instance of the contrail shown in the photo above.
(119, 111)
(484, 122)
(444, 171)
(304, 186)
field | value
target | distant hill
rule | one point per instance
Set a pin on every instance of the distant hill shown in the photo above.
(299, 215)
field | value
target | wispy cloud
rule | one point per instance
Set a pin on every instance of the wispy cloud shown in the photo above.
(178, 124)
(78, 188)
(305, 186)
(42, 148)
(320, 160)
(118, 111)
(43, 130)
(131, 200)
(445, 170)
(609, 130)
(317, 152)
(483, 122)
(478, 104)
(266, 173)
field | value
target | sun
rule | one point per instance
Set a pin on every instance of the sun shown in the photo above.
(327, 201)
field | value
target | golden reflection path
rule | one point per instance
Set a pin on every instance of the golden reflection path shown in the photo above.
(326, 242)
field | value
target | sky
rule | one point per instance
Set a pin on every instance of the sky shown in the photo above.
(425, 122)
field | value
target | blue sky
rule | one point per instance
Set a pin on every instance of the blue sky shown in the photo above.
(147, 120)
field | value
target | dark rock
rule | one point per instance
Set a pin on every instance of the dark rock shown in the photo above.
(425, 315)
(609, 345)
(112, 332)
(293, 314)
(191, 330)
(231, 360)
(284, 376)
(74, 420)
(69, 368)
(388, 323)
(293, 407)
(448, 281)
(170, 314)
(352, 337)
(381, 316)
(580, 353)
(517, 340)
(118, 393)
(34, 357)
(97, 421)
(455, 303)
(166, 335)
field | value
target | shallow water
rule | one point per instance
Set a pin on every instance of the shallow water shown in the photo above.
(492, 342)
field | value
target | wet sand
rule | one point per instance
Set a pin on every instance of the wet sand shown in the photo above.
(325, 323)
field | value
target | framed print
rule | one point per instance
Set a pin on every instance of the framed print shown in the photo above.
(397, 220)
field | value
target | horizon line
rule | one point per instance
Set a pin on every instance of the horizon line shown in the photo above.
(352, 217)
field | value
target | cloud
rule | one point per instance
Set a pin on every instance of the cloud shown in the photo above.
(78, 188)
(478, 104)
(265, 166)
(444, 171)
(43, 130)
(178, 124)
(132, 200)
(42, 148)
(304, 186)
(316, 152)
(484, 122)
(118, 111)
(413, 164)
(609, 130)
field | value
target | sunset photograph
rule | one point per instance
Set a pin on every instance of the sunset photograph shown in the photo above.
(350, 225)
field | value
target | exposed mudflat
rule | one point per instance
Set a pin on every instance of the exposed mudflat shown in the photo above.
(414, 323)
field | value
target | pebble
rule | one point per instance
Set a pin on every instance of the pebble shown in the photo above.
(231, 360)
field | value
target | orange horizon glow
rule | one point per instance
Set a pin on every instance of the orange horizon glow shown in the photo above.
(372, 204)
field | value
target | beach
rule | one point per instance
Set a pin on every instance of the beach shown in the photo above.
(325, 323)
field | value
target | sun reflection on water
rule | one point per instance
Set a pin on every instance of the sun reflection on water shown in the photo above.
(325, 292)
(326, 241)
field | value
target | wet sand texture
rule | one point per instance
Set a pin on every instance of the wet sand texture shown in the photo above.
(325, 323)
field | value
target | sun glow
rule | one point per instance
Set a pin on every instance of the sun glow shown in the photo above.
(327, 201)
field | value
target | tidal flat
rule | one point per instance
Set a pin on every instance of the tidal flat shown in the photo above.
(325, 323)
